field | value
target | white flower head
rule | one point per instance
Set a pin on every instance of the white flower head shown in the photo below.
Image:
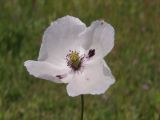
(73, 53)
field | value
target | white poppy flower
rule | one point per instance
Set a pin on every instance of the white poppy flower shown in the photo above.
(73, 53)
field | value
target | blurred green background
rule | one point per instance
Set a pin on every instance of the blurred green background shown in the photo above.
(134, 61)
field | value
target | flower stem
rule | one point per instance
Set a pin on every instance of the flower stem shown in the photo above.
(82, 106)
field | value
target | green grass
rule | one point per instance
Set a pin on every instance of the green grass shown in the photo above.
(134, 61)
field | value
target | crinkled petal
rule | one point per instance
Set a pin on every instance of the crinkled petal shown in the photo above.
(59, 38)
(47, 71)
(99, 36)
(96, 78)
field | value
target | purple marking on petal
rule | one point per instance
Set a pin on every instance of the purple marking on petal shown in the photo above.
(60, 76)
(102, 22)
(91, 53)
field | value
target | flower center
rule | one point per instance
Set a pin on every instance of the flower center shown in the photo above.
(74, 60)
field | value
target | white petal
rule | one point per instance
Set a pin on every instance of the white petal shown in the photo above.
(96, 78)
(47, 71)
(99, 36)
(59, 38)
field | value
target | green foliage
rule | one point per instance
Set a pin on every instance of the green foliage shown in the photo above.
(134, 61)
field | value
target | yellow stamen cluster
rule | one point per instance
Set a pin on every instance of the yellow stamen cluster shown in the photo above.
(74, 56)
(74, 60)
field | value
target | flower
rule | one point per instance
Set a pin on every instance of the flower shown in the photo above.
(73, 53)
